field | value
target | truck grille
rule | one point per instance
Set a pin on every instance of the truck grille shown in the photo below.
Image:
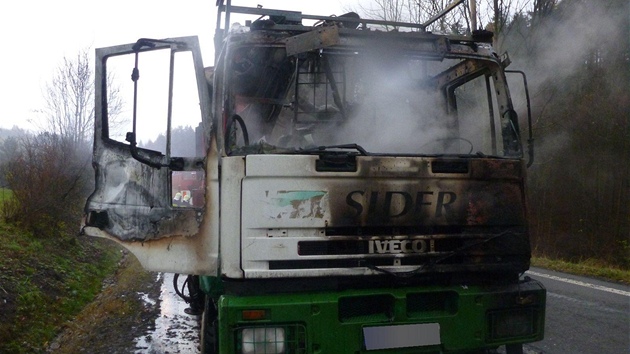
(349, 247)
(358, 263)
(481, 251)
(370, 308)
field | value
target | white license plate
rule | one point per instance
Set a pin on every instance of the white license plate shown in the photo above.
(402, 336)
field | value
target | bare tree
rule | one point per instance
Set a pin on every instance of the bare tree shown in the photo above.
(451, 22)
(69, 96)
(49, 173)
(500, 15)
(419, 11)
(386, 10)
(69, 100)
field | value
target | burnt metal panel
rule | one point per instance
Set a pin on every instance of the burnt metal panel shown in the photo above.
(135, 199)
(466, 215)
(456, 72)
(317, 39)
(416, 43)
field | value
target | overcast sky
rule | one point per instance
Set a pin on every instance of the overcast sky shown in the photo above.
(37, 34)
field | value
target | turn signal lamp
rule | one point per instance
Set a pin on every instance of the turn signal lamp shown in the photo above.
(254, 315)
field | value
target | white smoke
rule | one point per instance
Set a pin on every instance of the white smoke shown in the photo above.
(391, 108)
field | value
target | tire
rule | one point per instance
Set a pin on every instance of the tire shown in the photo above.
(514, 349)
(209, 332)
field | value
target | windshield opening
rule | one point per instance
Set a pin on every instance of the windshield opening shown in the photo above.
(387, 103)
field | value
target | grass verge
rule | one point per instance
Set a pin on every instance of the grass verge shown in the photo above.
(592, 268)
(111, 323)
(44, 282)
(5, 193)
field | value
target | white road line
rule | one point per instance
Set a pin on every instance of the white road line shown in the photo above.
(581, 283)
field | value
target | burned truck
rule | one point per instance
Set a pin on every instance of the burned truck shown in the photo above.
(328, 186)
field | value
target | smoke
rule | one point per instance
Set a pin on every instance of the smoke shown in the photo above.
(578, 32)
(391, 107)
(391, 113)
(578, 63)
(564, 54)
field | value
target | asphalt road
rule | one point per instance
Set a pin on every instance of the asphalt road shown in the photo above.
(584, 315)
(174, 330)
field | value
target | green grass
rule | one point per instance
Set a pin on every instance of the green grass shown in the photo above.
(5, 193)
(589, 267)
(45, 282)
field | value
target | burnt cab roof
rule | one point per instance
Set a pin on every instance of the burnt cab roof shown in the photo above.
(350, 32)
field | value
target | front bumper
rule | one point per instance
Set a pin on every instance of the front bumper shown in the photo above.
(435, 319)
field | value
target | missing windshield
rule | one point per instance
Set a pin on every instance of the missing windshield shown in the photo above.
(387, 103)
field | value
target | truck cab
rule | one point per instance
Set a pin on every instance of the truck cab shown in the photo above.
(333, 186)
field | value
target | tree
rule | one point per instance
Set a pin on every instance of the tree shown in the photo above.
(493, 14)
(69, 100)
(69, 97)
(9, 148)
(578, 60)
(49, 178)
(49, 173)
(386, 10)
(413, 11)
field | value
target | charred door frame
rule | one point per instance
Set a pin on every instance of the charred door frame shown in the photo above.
(132, 199)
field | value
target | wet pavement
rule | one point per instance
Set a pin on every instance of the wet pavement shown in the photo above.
(175, 331)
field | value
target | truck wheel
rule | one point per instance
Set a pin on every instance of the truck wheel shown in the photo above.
(514, 349)
(209, 329)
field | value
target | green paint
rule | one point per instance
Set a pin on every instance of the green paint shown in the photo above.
(333, 321)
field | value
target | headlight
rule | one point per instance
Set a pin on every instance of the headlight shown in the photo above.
(262, 340)
(512, 323)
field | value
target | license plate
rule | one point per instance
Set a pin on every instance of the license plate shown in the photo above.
(402, 336)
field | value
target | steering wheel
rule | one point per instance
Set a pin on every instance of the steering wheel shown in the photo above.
(229, 144)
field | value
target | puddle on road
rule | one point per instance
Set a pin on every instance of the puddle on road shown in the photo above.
(175, 331)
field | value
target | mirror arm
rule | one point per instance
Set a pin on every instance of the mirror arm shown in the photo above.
(530, 140)
(133, 148)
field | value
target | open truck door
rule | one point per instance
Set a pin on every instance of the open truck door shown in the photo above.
(156, 191)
